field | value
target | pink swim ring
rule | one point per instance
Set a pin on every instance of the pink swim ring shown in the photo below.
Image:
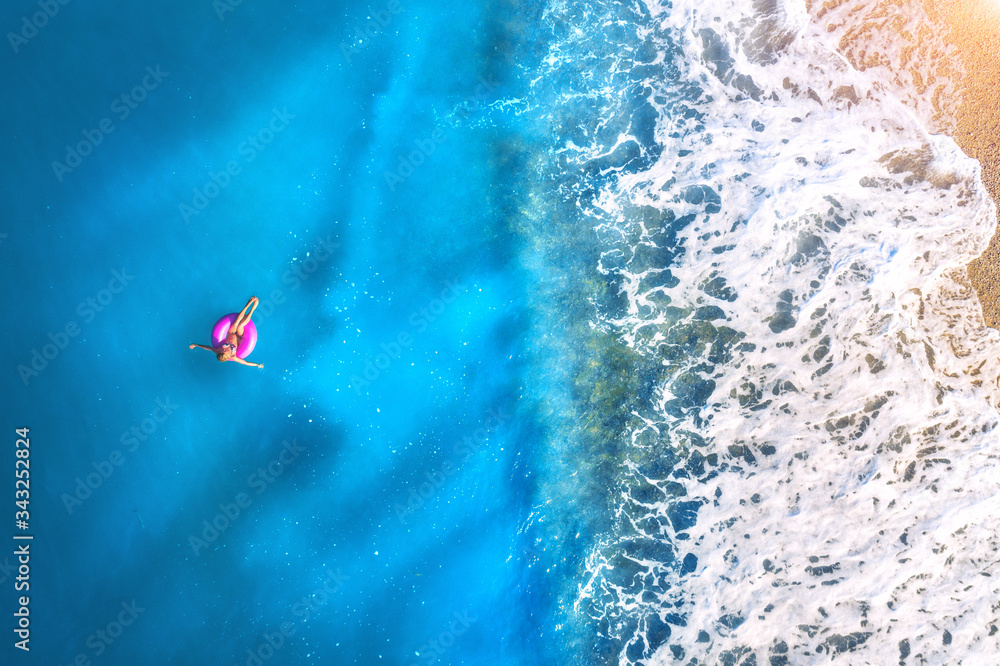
(221, 331)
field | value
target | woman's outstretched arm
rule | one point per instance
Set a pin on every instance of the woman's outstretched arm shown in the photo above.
(192, 346)
(240, 360)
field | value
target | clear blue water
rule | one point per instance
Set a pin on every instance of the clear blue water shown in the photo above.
(390, 253)
(556, 301)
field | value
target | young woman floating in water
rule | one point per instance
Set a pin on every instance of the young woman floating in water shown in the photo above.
(226, 349)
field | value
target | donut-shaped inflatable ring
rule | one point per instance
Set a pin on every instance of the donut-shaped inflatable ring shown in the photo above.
(221, 331)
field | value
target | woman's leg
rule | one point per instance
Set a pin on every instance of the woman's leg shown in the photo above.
(243, 319)
(237, 325)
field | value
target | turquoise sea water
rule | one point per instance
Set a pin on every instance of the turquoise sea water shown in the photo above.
(573, 317)
(344, 263)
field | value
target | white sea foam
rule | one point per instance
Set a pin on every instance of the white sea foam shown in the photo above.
(849, 502)
(900, 44)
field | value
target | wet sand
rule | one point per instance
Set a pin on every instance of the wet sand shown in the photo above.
(975, 30)
(944, 60)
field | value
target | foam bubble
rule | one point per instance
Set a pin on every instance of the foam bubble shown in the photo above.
(827, 389)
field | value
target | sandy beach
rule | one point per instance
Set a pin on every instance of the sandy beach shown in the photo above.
(975, 30)
(943, 60)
